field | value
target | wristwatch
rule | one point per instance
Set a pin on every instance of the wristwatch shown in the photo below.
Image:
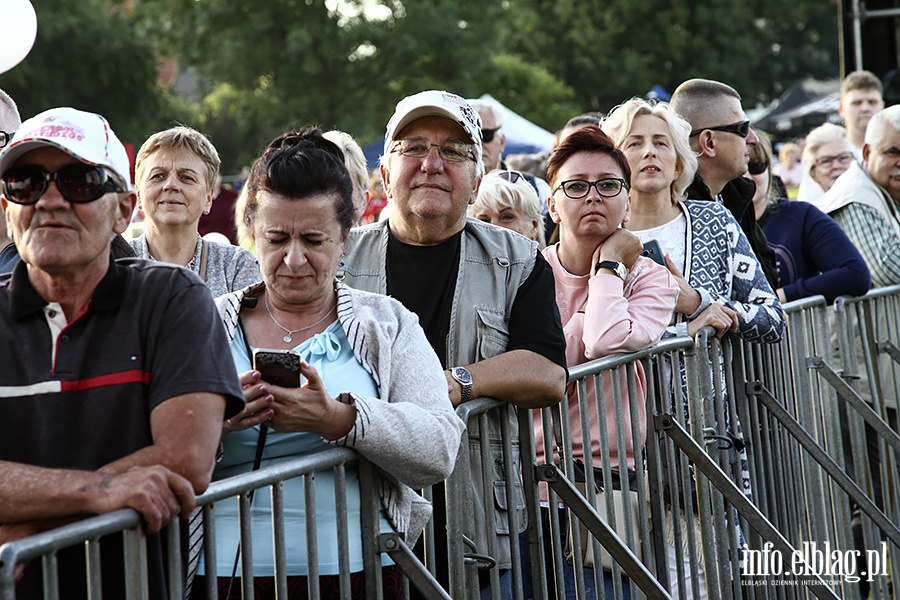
(617, 267)
(464, 378)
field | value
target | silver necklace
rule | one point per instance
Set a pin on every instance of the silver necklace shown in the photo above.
(288, 337)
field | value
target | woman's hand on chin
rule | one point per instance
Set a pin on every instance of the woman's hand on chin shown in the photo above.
(621, 246)
(257, 408)
(311, 408)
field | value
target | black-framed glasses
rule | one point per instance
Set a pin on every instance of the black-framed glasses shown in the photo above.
(579, 188)
(741, 128)
(511, 176)
(487, 135)
(842, 159)
(450, 151)
(78, 183)
(5, 138)
(757, 167)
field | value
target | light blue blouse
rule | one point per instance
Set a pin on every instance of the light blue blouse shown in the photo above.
(330, 353)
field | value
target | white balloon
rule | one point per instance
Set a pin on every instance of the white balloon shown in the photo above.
(19, 30)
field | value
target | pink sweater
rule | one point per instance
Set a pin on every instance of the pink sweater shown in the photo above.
(619, 318)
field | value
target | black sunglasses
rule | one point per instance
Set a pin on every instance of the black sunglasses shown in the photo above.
(757, 167)
(5, 138)
(741, 128)
(487, 135)
(78, 183)
(511, 176)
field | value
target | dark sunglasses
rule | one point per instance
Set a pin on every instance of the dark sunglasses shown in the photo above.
(757, 167)
(78, 183)
(487, 135)
(741, 128)
(511, 176)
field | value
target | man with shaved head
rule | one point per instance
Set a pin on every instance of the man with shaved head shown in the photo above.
(722, 137)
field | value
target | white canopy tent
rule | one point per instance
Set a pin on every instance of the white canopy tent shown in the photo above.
(522, 136)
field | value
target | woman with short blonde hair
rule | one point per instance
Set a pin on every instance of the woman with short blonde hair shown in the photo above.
(507, 199)
(175, 177)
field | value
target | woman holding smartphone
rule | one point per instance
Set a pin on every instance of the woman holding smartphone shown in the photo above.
(722, 284)
(370, 380)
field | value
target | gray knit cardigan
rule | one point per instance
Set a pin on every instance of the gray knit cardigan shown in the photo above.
(410, 432)
(228, 268)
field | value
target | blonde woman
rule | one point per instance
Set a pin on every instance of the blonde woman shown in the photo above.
(722, 284)
(355, 162)
(507, 199)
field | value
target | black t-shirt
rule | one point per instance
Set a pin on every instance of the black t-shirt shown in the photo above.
(423, 278)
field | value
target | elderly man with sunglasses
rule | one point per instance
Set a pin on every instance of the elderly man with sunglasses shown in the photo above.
(484, 295)
(113, 391)
(722, 137)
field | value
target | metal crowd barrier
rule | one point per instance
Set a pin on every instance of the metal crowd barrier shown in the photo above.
(813, 415)
(87, 533)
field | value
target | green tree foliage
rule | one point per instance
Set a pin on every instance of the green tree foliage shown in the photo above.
(265, 66)
(531, 90)
(610, 51)
(270, 65)
(87, 56)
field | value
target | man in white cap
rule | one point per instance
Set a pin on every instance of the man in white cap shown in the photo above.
(484, 295)
(113, 388)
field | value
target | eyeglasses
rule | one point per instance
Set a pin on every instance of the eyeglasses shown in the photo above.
(5, 139)
(741, 128)
(511, 176)
(78, 183)
(757, 167)
(455, 152)
(579, 188)
(842, 159)
(487, 135)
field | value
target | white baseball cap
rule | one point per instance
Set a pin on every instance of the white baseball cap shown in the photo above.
(434, 103)
(83, 135)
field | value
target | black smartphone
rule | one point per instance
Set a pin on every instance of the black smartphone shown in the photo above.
(654, 252)
(281, 367)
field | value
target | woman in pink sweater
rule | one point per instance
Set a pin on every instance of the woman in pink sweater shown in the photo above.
(611, 299)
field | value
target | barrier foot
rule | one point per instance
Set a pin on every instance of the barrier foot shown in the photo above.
(394, 546)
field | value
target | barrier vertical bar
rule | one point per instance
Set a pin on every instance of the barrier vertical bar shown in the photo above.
(278, 543)
(246, 545)
(209, 551)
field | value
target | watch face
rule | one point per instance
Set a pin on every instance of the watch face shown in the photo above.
(462, 375)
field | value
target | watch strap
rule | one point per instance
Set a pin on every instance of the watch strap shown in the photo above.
(616, 267)
(464, 379)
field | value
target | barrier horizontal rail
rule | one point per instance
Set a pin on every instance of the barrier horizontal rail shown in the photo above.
(778, 364)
